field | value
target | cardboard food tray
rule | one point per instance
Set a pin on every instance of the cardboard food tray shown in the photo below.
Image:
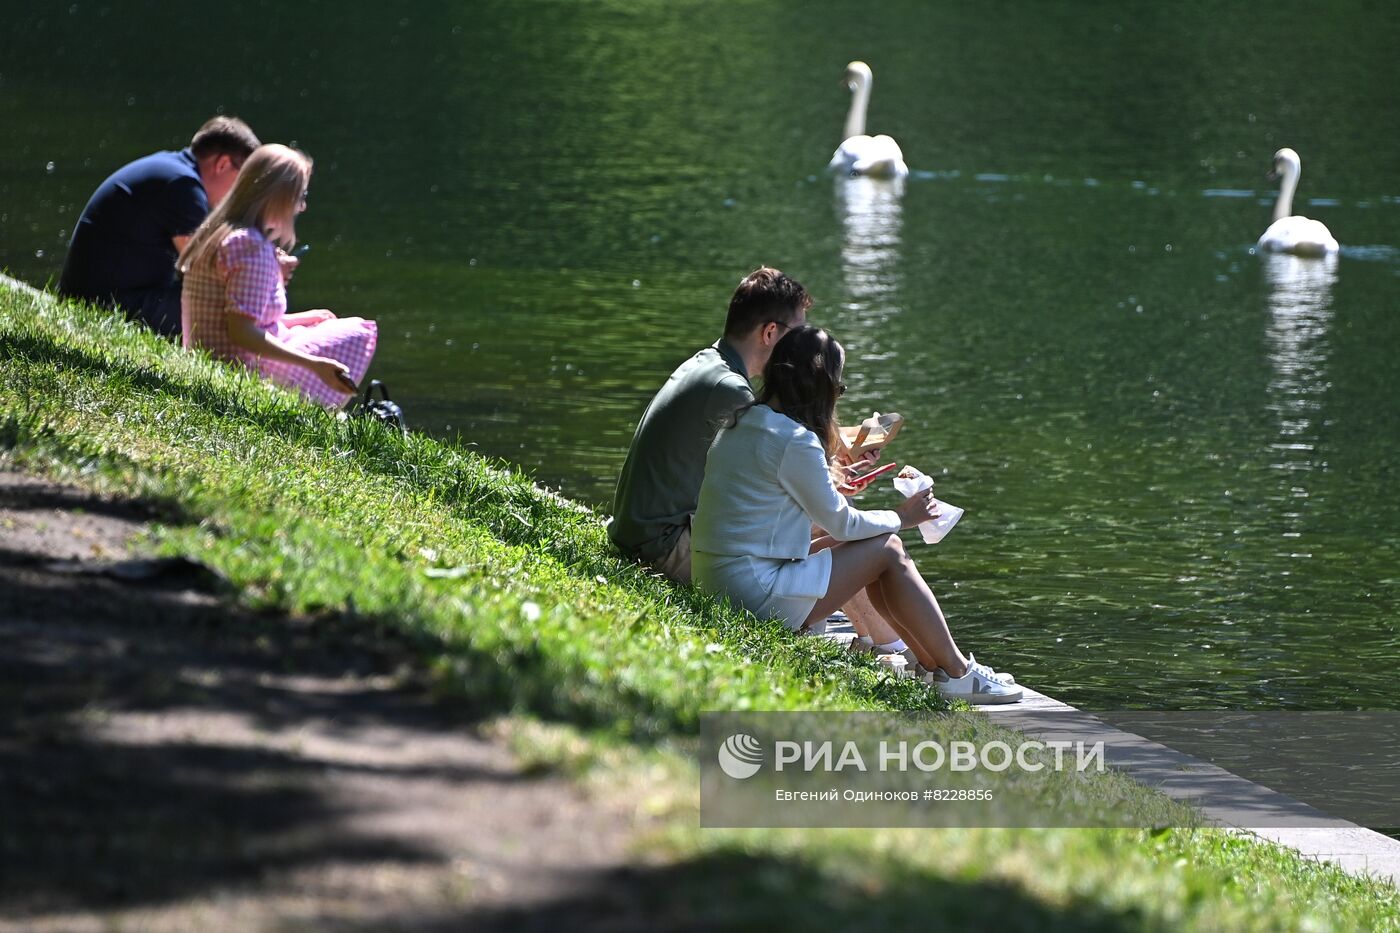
(876, 431)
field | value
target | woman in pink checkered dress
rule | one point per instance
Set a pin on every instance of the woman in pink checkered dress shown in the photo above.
(234, 302)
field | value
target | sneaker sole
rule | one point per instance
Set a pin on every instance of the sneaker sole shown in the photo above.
(985, 699)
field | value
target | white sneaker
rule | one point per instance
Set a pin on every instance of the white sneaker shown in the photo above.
(975, 687)
(983, 669)
(986, 671)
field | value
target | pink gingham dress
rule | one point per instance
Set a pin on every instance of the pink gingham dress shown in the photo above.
(246, 279)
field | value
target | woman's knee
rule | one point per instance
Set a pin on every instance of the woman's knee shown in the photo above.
(892, 550)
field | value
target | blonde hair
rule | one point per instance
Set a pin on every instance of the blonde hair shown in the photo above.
(265, 197)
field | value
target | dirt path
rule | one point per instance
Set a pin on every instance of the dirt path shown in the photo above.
(169, 763)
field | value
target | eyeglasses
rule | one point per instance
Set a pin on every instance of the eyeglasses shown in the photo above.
(783, 324)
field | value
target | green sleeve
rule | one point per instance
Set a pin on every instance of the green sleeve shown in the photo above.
(727, 397)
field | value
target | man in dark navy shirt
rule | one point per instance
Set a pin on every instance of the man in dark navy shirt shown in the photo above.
(124, 245)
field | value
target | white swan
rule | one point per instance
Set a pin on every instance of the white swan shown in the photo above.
(876, 156)
(1301, 236)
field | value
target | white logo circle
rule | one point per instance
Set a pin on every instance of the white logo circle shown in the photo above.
(740, 756)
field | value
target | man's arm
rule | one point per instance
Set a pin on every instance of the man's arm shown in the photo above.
(728, 396)
(182, 208)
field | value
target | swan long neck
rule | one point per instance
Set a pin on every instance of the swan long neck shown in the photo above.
(860, 101)
(1284, 206)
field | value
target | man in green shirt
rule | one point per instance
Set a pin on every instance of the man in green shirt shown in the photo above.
(660, 482)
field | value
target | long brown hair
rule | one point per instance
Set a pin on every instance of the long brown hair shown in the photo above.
(265, 197)
(804, 376)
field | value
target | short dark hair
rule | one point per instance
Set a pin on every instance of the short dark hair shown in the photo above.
(228, 136)
(764, 295)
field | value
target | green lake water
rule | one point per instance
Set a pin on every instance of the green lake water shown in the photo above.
(1179, 460)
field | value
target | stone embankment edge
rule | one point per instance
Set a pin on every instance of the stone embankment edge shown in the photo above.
(1220, 796)
(1355, 849)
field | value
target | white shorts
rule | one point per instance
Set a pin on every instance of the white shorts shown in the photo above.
(769, 587)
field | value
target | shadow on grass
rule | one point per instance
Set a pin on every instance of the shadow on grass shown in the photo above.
(732, 890)
(45, 496)
(105, 804)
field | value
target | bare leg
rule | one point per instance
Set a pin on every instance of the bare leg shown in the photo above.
(866, 618)
(877, 599)
(909, 605)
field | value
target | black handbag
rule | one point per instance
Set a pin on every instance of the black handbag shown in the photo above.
(382, 409)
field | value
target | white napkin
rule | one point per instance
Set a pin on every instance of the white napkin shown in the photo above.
(934, 530)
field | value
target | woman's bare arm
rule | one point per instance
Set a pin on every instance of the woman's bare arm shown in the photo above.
(248, 336)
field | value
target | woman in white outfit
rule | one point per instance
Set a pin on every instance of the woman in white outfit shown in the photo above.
(767, 481)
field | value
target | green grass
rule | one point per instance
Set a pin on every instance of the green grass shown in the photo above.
(517, 606)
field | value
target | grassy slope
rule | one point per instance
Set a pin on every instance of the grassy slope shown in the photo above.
(519, 606)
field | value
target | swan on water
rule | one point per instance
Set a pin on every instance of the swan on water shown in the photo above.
(1301, 236)
(875, 156)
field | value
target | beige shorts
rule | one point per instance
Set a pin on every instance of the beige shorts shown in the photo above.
(676, 565)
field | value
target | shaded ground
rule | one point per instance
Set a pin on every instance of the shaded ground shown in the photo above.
(167, 762)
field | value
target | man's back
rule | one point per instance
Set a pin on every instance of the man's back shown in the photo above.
(660, 482)
(123, 240)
